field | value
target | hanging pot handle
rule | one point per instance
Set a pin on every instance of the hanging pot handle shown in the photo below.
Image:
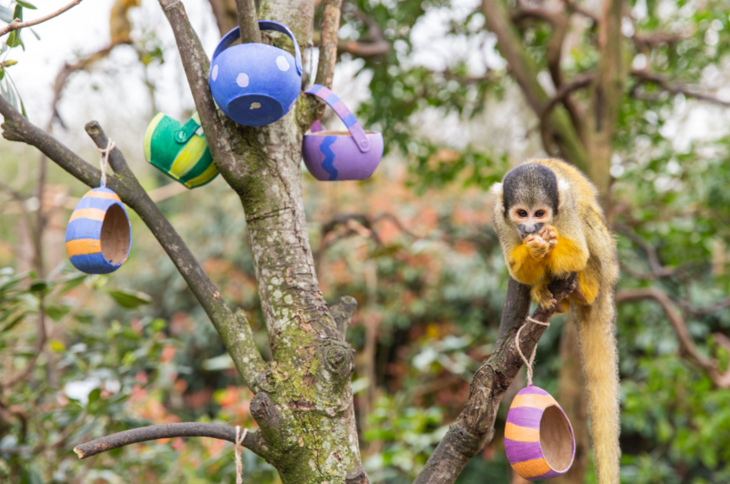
(235, 33)
(338, 106)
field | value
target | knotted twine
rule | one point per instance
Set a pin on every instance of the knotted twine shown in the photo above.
(528, 364)
(105, 160)
(238, 449)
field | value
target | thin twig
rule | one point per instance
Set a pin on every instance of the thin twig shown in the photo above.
(252, 441)
(644, 76)
(17, 24)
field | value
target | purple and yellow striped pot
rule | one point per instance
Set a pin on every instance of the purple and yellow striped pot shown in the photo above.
(340, 155)
(98, 236)
(538, 439)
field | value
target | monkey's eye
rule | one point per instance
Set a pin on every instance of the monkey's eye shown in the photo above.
(540, 213)
(522, 213)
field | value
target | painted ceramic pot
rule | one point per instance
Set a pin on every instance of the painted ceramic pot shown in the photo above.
(538, 438)
(180, 150)
(341, 155)
(255, 84)
(98, 236)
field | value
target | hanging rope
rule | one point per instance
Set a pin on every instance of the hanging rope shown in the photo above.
(528, 364)
(105, 160)
(238, 449)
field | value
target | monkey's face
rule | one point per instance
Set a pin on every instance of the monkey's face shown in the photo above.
(530, 219)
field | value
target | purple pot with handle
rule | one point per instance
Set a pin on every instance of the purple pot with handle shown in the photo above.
(341, 155)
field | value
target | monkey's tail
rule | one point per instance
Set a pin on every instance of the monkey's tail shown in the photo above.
(596, 331)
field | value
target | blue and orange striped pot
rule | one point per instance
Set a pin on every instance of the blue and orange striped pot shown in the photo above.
(538, 439)
(98, 236)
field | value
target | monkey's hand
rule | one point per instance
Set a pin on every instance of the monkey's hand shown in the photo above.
(537, 246)
(549, 234)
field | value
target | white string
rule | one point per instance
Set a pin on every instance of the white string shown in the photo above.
(238, 449)
(105, 160)
(528, 364)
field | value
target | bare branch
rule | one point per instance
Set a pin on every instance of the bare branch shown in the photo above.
(645, 76)
(687, 345)
(357, 48)
(311, 108)
(655, 39)
(328, 42)
(253, 441)
(474, 428)
(196, 65)
(17, 24)
(248, 21)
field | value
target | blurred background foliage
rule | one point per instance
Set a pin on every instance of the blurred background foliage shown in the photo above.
(414, 245)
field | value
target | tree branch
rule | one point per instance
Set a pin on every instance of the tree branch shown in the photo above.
(357, 48)
(644, 75)
(248, 21)
(196, 65)
(474, 428)
(686, 343)
(328, 42)
(17, 24)
(524, 70)
(312, 108)
(253, 441)
(229, 325)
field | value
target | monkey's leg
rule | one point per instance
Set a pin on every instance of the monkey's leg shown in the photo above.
(596, 331)
(542, 294)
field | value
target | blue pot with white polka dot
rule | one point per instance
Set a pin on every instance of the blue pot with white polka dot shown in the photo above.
(255, 84)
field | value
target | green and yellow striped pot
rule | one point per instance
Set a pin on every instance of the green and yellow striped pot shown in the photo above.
(180, 150)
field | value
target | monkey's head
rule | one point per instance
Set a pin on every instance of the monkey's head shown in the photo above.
(530, 197)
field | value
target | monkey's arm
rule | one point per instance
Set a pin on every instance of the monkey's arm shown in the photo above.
(566, 257)
(524, 267)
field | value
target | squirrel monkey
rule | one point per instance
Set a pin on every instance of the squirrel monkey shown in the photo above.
(550, 224)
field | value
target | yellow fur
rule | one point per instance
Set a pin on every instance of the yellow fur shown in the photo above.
(586, 246)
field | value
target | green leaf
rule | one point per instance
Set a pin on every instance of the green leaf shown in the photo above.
(129, 299)
(10, 325)
(26, 4)
(38, 286)
(94, 395)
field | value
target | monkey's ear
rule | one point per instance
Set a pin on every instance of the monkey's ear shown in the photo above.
(563, 193)
(496, 190)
